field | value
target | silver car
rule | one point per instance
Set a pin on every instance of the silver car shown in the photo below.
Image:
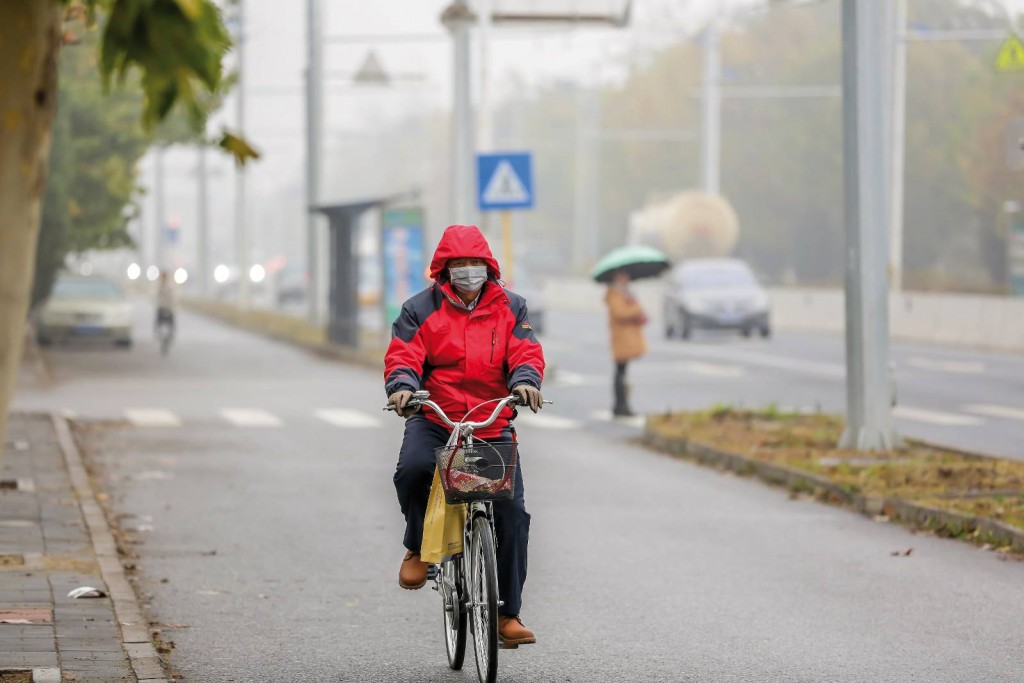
(85, 307)
(720, 294)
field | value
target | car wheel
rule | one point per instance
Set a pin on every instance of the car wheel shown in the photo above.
(123, 343)
(766, 332)
(44, 341)
(745, 331)
(687, 330)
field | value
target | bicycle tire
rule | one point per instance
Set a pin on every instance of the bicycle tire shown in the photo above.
(483, 596)
(455, 619)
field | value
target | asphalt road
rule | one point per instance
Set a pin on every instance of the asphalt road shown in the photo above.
(952, 396)
(256, 480)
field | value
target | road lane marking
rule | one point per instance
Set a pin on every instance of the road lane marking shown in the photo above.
(950, 366)
(606, 416)
(250, 417)
(152, 417)
(711, 369)
(996, 411)
(568, 378)
(343, 417)
(805, 367)
(935, 417)
(546, 421)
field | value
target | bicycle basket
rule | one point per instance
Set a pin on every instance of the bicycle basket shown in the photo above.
(486, 471)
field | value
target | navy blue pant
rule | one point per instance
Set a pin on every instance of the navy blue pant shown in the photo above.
(413, 476)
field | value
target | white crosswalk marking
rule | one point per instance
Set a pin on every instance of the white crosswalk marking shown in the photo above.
(996, 411)
(953, 367)
(250, 417)
(152, 417)
(711, 369)
(936, 418)
(541, 421)
(567, 378)
(353, 419)
(606, 416)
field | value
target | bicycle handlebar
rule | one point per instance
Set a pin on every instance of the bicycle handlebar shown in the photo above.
(421, 398)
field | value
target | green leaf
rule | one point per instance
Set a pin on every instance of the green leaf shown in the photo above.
(238, 147)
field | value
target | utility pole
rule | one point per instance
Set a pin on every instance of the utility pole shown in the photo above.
(203, 247)
(458, 18)
(314, 128)
(711, 118)
(869, 414)
(241, 228)
(160, 251)
(898, 125)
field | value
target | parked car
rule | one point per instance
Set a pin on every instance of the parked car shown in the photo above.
(715, 294)
(85, 307)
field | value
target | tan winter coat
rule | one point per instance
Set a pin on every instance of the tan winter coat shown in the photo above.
(626, 319)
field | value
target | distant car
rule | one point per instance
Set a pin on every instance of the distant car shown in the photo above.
(715, 294)
(527, 287)
(85, 307)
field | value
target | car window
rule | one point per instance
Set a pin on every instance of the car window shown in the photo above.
(86, 289)
(717, 277)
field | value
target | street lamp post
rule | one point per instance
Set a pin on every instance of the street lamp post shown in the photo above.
(314, 127)
(869, 411)
(458, 18)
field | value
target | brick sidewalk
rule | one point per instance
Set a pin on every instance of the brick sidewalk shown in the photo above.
(53, 539)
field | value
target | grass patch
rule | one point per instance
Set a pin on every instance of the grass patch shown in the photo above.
(944, 479)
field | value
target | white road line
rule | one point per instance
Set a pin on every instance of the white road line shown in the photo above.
(352, 419)
(950, 366)
(152, 417)
(996, 411)
(804, 367)
(546, 421)
(568, 378)
(250, 417)
(711, 369)
(606, 416)
(936, 418)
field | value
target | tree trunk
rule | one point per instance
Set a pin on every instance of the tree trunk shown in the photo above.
(30, 37)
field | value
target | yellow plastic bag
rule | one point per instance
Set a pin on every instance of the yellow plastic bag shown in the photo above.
(442, 526)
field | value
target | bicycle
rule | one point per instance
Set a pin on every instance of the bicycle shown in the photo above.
(474, 472)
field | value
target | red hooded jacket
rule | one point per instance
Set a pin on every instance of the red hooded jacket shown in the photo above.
(463, 357)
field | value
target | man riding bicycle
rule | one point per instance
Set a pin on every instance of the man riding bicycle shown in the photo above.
(166, 301)
(466, 340)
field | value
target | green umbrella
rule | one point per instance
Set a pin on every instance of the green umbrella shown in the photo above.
(637, 260)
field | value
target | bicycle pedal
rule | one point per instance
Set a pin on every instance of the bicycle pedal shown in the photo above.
(502, 645)
(431, 572)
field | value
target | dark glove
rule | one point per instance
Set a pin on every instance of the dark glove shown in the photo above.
(400, 399)
(529, 396)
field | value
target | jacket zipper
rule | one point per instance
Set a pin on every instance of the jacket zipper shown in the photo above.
(494, 342)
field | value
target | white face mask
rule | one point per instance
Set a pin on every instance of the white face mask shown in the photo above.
(468, 279)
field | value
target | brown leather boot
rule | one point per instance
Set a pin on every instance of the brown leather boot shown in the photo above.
(413, 574)
(512, 633)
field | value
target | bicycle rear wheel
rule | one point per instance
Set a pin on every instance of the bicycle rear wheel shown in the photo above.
(483, 599)
(455, 627)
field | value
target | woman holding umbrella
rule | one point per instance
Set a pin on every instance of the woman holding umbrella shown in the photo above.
(626, 317)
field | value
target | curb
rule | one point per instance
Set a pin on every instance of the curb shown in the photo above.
(908, 512)
(135, 637)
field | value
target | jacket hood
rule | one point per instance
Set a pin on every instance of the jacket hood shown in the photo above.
(462, 241)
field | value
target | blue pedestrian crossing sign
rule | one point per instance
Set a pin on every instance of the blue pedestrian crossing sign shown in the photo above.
(504, 180)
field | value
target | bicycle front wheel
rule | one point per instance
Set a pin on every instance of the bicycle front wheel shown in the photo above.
(455, 627)
(483, 599)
